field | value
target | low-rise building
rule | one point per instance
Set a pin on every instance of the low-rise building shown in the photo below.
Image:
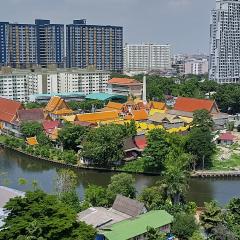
(123, 208)
(125, 87)
(137, 228)
(226, 138)
(20, 84)
(141, 58)
(196, 66)
(57, 107)
(8, 116)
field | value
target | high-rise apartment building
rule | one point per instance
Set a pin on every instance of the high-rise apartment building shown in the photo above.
(19, 84)
(224, 60)
(146, 57)
(26, 45)
(4, 52)
(50, 43)
(94, 45)
(22, 46)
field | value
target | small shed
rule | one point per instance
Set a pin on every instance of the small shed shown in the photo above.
(226, 138)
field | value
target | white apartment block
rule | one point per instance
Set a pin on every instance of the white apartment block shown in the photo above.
(196, 66)
(146, 57)
(20, 84)
(224, 42)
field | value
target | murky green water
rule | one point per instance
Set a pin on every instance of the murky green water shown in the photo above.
(15, 166)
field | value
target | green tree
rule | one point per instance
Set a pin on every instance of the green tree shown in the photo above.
(96, 196)
(176, 176)
(200, 144)
(211, 217)
(184, 226)
(123, 184)
(202, 119)
(103, 146)
(153, 197)
(66, 183)
(31, 105)
(222, 232)
(197, 236)
(233, 216)
(155, 234)
(55, 221)
(130, 129)
(71, 136)
(66, 180)
(43, 139)
(156, 150)
(31, 129)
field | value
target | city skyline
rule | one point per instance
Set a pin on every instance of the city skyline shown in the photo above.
(176, 20)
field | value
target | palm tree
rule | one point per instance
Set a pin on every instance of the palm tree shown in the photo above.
(176, 184)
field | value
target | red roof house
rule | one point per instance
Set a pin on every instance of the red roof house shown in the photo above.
(124, 81)
(26, 115)
(193, 104)
(50, 126)
(140, 141)
(8, 110)
(226, 138)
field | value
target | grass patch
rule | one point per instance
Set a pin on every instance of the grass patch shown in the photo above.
(224, 165)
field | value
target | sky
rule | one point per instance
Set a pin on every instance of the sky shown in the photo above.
(182, 23)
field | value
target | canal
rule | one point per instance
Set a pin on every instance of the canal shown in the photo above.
(14, 166)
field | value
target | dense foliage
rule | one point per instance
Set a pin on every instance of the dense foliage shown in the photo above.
(86, 105)
(44, 217)
(31, 105)
(71, 136)
(184, 226)
(98, 196)
(103, 146)
(222, 223)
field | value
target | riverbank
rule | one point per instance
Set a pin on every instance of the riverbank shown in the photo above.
(85, 167)
(196, 174)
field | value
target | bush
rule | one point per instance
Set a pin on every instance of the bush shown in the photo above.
(184, 226)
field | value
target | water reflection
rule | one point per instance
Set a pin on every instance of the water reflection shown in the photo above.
(16, 166)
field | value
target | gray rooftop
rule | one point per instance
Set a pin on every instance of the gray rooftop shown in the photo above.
(122, 209)
(128, 206)
(99, 216)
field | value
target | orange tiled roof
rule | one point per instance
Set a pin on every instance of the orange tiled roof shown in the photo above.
(115, 105)
(124, 81)
(193, 104)
(158, 105)
(8, 109)
(137, 115)
(97, 117)
(32, 141)
(63, 111)
(53, 103)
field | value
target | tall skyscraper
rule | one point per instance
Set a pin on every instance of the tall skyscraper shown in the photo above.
(225, 42)
(146, 57)
(94, 45)
(22, 45)
(26, 45)
(4, 50)
(50, 43)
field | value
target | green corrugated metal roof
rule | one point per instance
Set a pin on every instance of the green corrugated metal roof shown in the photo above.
(137, 226)
(103, 96)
